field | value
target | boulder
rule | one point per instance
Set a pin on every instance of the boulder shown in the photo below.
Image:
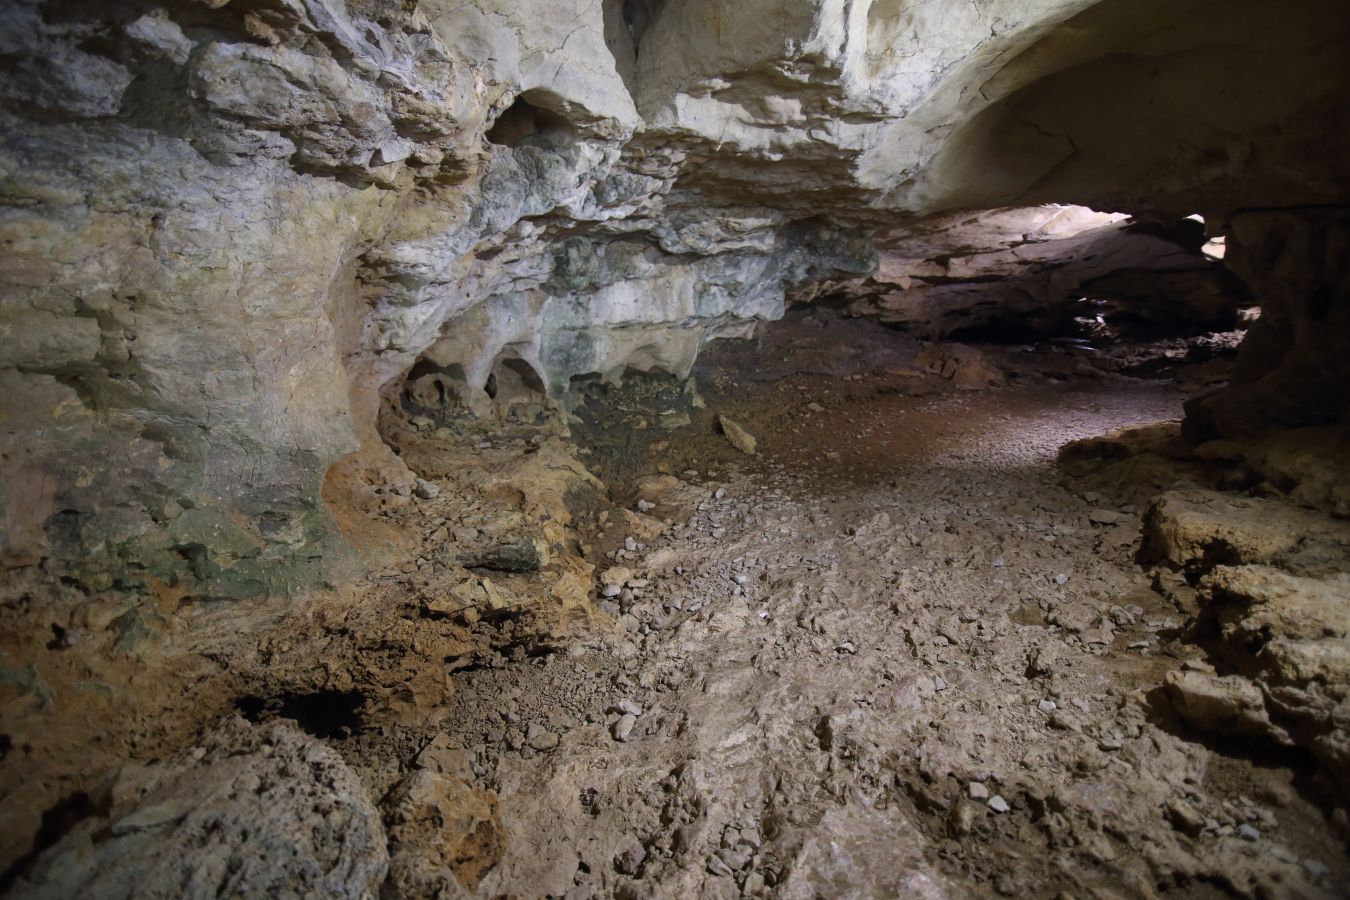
(252, 811)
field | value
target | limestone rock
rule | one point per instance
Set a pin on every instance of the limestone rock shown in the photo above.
(1195, 529)
(1230, 705)
(1272, 587)
(1290, 634)
(1294, 365)
(962, 365)
(741, 439)
(444, 834)
(254, 811)
(1310, 465)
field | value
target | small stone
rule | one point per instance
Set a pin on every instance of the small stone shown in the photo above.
(1061, 579)
(1047, 706)
(629, 861)
(998, 804)
(969, 615)
(1044, 660)
(628, 707)
(426, 490)
(1106, 517)
(544, 740)
(623, 728)
(644, 506)
(977, 791)
(741, 439)
(938, 683)
(740, 578)
(736, 858)
(1248, 833)
(630, 544)
(1185, 818)
(999, 562)
(961, 819)
(610, 590)
(619, 575)
(1316, 868)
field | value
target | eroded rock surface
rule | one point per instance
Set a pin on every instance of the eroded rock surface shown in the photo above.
(251, 811)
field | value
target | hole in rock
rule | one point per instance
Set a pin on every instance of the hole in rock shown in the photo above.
(516, 388)
(432, 389)
(324, 714)
(526, 121)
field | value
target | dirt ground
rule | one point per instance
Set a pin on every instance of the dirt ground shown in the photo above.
(896, 652)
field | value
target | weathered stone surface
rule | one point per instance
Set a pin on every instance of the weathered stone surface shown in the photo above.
(1272, 587)
(1291, 635)
(741, 439)
(966, 367)
(444, 834)
(252, 811)
(1230, 706)
(1196, 530)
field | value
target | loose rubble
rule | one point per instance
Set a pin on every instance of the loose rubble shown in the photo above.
(925, 666)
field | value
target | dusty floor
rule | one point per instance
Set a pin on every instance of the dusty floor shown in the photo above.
(891, 654)
(896, 652)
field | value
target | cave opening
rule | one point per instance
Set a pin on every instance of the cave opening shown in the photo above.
(429, 388)
(529, 121)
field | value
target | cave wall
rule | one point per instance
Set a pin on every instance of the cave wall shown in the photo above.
(1294, 366)
(232, 226)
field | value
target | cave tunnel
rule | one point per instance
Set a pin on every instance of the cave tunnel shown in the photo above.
(649, 449)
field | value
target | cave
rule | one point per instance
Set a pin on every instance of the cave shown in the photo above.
(529, 119)
(647, 449)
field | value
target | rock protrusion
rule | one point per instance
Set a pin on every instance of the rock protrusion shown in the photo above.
(253, 811)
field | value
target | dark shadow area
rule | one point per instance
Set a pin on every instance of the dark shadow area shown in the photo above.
(56, 823)
(526, 120)
(626, 24)
(327, 714)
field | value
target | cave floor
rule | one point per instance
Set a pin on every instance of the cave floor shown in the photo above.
(897, 652)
